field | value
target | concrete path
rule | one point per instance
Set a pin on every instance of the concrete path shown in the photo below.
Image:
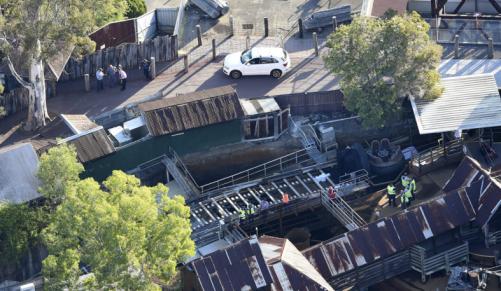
(308, 74)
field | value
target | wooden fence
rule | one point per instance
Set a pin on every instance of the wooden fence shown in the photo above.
(129, 55)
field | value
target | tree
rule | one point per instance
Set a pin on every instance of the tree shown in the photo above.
(127, 235)
(380, 61)
(33, 31)
(2, 110)
(58, 169)
(135, 8)
(20, 227)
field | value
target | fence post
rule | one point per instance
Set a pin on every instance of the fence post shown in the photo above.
(300, 25)
(231, 26)
(199, 34)
(87, 82)
(491, 48)
(213, 49)
(315, 43)
(247, 42)
(153, 68)
(186, 64)
(266, 27)
(456, 46)
(334, 23)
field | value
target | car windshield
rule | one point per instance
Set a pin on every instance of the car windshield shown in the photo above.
(246, 56)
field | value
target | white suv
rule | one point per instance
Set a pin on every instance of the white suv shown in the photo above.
(269, 61)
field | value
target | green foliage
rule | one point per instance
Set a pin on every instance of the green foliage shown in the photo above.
(58, 169)
(20, 227)
(135, 8)
(129, 235)
(2, 110)
(380, 61)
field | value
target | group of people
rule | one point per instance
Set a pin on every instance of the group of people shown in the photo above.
(407, 193)
(112, 75)
(250, 209)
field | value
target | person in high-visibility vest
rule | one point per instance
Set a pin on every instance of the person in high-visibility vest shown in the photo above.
(241, 214)
(408, 196)
(390, 189)
(404, 201)
(405, 180)
(412, 186)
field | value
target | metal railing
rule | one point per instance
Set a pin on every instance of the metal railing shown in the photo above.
(428, 265)
(342, 211)
(429, 159)
(261, 171)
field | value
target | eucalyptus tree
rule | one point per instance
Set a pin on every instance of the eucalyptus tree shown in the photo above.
(34, 31)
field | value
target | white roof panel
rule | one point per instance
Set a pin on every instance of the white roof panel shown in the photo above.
(468, 102)
(259, 106)
(468, 67)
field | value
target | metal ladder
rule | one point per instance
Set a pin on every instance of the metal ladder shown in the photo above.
(342, 211)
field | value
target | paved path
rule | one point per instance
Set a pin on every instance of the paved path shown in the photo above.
(308, 74)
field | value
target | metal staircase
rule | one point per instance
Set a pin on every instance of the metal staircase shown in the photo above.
(309, 140)
(342, 212)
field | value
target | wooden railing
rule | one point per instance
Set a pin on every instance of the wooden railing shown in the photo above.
(438, 156)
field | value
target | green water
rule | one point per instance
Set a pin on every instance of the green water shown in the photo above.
(194, 140)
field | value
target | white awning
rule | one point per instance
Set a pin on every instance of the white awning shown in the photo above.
(468, 102)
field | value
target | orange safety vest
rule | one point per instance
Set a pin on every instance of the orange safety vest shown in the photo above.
(285, 198)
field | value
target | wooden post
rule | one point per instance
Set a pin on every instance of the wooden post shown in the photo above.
(153, 68)
(213, 49)
(266, 27)
(247, 42)
(300, 25)
(456, 46)
(334, 23)
(199, 34)
(491, 48)
(186, 64)
(315, 43)
(87, 82)
(231, 26)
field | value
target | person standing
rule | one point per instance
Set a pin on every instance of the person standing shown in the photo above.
(390, 189)
(145, 65)
(405, 180)
(99, 78)
(412, 186)
(123, 77)
(110, 72)
(331, 193)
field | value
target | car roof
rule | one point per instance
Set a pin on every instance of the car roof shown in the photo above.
(259, 52)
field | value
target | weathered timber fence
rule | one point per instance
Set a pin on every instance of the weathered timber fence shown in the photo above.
(129, 55)
(15, 100)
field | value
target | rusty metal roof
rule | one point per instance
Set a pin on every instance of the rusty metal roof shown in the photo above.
(241, 264)
(483, 190)
(390, 235)
(201, 108)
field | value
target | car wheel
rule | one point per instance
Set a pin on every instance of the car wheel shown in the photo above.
(276, 74)
(235, 74)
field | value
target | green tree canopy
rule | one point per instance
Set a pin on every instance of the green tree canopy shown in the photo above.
(127, 234)
(135, 8)
(381, 60)
(58, 168)
(34, 31)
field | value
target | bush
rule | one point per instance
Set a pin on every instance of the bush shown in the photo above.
(135, 8)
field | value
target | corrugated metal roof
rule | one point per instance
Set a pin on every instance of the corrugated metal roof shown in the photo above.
(201, 108)
(78, 123)
(390, 235)
(91, 144)
(18, 168)
(259, 106)
(241, 264)
(468, 102)
(468, 67)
